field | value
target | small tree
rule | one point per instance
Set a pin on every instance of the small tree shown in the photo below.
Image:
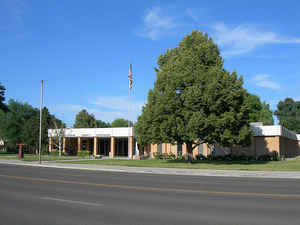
(194, 100)
(59, 133)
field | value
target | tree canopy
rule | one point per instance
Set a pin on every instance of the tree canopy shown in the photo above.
(120, 122)
(259, 111)
(20, 125)
(85, 120)
(3, 107)
(288, 114)
(194, 99)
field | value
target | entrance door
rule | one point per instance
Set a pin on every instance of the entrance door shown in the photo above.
(104, 146)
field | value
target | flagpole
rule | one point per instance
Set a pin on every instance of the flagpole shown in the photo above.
(129, 104)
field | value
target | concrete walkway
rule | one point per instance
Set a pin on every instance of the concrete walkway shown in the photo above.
(170, 171)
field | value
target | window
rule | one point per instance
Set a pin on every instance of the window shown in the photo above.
(159, 148)
(200, 149)
(179, 149)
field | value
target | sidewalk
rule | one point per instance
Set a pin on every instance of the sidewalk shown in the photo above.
(169, 171)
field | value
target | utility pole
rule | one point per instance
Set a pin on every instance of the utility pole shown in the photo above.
(41, 109)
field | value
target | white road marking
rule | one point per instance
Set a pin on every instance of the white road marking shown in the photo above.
(72, 202)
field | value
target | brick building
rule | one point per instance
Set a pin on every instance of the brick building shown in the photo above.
(266, 139)
(113, 142)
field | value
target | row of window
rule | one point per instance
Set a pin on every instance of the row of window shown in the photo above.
(179, 149)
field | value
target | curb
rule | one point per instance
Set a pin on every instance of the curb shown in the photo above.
(168, 171)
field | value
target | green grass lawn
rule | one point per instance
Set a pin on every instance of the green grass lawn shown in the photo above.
(33, 157)
(291, 165)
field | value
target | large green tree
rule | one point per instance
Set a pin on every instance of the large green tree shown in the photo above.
(20, 125)
(194, 99)
(288, 114)
(85, 120)
(2, 98)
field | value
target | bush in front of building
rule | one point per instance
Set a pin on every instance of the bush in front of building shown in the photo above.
(273, 156)
(83, 153)
(165, 156)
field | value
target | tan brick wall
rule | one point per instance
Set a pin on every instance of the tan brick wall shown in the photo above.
(265, 145)
(289, 147)
(259, 146)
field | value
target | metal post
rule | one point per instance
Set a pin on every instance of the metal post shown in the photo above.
(41, 108)
(129, 108)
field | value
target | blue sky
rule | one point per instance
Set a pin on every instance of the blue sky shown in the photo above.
(82, 49)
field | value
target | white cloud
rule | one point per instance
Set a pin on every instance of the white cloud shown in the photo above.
(190, 12)
(104, 108)
(157, 24)
(264, 80)
(120, 103)
(243, 39)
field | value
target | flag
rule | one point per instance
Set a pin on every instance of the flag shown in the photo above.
(130, 76)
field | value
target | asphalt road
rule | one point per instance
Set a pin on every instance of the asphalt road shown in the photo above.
(42, 196)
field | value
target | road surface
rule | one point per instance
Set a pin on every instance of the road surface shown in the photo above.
(49, 196)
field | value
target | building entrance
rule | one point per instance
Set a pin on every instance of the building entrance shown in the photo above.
(104, 146)
(121, 146)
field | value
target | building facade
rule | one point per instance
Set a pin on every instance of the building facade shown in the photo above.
(110, 142)
(120, 142)
(265, 140)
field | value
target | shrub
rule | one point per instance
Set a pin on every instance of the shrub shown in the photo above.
(180, 157)
(44, 150)
(172, 156)
(275, 156)
(265, 157)
(157, 155)
(83, 153)
(54, 152)
(201, 157)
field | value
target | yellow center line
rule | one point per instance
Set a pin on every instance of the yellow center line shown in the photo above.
(148, 188)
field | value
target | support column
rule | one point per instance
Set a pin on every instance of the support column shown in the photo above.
(78, 144)
(95, 145)
(112, 147)
(64, 145)
(130, 147)
(50, 144)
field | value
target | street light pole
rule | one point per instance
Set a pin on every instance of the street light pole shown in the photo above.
(41, 109)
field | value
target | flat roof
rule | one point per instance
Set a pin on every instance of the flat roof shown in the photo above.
(93, 132)
(274, 130)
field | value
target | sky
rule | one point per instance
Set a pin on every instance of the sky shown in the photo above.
(82, 49)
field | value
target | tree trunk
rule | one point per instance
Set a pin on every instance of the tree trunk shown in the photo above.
(59, 147)
(189, 148)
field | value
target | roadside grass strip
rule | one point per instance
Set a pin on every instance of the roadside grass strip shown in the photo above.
(287, 165)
